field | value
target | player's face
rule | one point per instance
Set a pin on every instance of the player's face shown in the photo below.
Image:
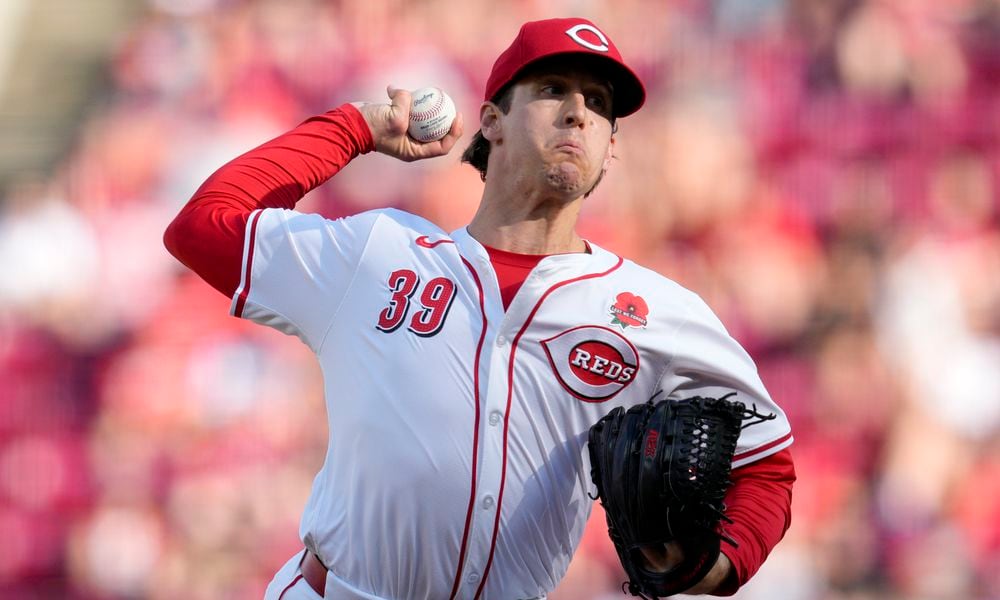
(558, 132)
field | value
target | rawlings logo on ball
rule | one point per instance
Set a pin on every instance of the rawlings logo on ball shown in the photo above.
(422, 99)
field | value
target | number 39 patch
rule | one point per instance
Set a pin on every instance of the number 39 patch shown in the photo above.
(435, 302)
(592, 363)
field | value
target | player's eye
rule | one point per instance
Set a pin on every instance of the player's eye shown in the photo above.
(599, 103)
(552, 89)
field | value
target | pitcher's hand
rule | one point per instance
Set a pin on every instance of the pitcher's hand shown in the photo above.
(389, 122)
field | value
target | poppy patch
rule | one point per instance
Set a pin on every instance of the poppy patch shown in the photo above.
(629, 310)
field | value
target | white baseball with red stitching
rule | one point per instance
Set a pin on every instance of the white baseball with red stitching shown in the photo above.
(431, 114)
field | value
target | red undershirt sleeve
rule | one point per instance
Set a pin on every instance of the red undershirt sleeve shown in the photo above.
(207, 235)
(759, 502)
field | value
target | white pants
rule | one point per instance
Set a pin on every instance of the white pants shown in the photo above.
(288, 584)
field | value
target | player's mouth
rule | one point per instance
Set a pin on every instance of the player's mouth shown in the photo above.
(570, 147)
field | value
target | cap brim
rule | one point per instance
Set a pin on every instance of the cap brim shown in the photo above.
(629, 93)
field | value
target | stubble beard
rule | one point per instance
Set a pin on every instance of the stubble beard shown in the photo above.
(566, 178)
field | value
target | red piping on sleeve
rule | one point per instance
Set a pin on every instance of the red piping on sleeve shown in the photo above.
(763, 449)
(244, 289)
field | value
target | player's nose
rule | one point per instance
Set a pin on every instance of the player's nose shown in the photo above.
(575, 109)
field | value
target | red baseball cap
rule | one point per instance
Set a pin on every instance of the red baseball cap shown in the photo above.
(541, 39)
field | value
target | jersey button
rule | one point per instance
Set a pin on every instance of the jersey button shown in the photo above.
(495, 418)
(501, 340)
(488, 502)
(473, 577)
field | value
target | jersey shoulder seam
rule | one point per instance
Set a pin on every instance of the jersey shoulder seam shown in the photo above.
(347, 288)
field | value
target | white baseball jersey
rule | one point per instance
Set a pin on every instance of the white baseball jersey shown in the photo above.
(457, 464)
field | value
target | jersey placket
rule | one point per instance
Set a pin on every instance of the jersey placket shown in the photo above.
(498, 379)
(499, 398)
(492, 432)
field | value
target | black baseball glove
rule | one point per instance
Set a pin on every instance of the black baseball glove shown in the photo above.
(662, 471)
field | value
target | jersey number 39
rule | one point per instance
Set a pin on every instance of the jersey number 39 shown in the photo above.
(435, 301)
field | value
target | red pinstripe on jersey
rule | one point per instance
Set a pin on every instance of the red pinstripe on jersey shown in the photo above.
(475, 435)
(510, 396)
(289, 586)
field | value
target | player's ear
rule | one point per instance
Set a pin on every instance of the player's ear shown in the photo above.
(489, 121)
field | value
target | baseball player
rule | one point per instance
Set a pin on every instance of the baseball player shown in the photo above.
(464, 369)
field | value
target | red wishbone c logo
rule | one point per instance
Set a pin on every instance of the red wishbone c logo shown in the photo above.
(574, 33)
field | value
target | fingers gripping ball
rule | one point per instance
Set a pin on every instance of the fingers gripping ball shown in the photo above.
(431, 114)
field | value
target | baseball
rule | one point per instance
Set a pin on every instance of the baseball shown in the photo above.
(431, 114)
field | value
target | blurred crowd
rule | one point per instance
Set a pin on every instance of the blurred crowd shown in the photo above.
(825, 173)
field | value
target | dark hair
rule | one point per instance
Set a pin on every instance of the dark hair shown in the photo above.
(478, 152)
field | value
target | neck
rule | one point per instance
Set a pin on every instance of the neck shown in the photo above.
(527, 223)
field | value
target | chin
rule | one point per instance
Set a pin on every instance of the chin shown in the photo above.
(566, 178)
(573, 188)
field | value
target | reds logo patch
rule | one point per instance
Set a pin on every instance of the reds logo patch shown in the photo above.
(592, 363)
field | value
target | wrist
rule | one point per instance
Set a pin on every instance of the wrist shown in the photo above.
(720, 572)
(362, 128)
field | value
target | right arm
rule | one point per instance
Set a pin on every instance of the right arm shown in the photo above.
(207, 235)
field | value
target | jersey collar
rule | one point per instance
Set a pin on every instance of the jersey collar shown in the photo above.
(563, 265)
